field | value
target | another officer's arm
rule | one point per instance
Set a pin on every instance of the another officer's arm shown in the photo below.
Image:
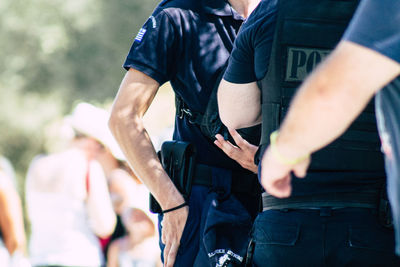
(239, 107)
(239, 104)
(325, 105)
(134, 97)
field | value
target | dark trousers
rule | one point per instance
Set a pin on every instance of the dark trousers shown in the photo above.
(195, 243)
(322, 237)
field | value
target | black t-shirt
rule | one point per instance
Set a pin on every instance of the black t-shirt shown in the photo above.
(252, 49)
(187, 43)
(249, 63)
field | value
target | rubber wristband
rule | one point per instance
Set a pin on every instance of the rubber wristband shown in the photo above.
(282, 159)
(175, 208)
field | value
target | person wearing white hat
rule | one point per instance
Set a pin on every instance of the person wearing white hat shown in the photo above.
(67, 197)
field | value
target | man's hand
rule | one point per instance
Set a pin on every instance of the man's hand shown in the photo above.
(276, 176)
(243, 153)
(173, 224)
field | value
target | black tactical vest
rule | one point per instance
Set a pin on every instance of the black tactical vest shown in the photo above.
(305, 34)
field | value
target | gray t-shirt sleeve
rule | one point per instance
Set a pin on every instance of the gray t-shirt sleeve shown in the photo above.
(376, 25)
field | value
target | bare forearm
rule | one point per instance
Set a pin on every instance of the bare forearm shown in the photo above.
(135, 96)
(135, 142)
(11, 220)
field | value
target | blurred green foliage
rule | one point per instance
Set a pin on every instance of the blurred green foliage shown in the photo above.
(54, 54)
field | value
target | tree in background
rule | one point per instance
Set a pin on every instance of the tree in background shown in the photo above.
(53, 54)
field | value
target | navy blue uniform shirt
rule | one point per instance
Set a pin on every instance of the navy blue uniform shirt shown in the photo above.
(249, 63)
(187, 43)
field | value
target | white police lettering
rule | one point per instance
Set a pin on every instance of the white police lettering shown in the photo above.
(217, 251)
(225, 257)
(236, 256)
(301, 61)
(140, 35)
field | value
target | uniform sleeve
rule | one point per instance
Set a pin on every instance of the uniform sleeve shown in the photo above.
(241, 62)
(252, 49)
(154, 49)
(376, 25)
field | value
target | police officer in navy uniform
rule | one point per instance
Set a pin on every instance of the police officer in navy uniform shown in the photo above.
(187, 43)
(331, 217)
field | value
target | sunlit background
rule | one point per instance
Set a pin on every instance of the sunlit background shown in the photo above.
(55, 54)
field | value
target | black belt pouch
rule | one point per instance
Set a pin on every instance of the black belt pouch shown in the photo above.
(178, 160)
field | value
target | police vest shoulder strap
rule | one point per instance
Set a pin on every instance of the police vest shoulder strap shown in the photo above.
(270, 85)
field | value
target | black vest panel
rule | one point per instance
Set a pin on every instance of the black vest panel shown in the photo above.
(305, 34)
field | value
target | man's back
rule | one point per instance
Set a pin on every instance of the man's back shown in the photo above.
(186, 43)
(320, 224)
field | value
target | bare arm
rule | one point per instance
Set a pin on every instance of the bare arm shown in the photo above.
(239, 104)
(112, 254)
(326, 104)
(11, 218)
(135, 95)
(99, 206)
(239, 107)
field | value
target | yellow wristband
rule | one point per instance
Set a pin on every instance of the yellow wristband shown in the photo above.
(282, 159)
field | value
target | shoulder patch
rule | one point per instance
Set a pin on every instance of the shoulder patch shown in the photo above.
(140, 35)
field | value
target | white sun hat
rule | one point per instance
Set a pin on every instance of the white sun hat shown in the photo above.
(93, 122)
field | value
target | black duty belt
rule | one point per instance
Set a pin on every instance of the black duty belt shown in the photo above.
(364, 199)
(242, 182)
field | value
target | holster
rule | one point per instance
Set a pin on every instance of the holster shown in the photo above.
(178, 160)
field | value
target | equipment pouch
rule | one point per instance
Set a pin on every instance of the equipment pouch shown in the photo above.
(178, 160)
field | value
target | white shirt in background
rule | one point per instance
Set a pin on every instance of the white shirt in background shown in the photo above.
(64, 217)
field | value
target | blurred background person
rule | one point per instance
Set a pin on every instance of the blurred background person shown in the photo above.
(13, 240)
(139, 247)
(67, 197)
(8, 170)
(126, 190)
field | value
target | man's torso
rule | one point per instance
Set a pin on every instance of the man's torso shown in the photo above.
(187, 43)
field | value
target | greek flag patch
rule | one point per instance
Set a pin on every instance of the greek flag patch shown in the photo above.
(140, 35)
